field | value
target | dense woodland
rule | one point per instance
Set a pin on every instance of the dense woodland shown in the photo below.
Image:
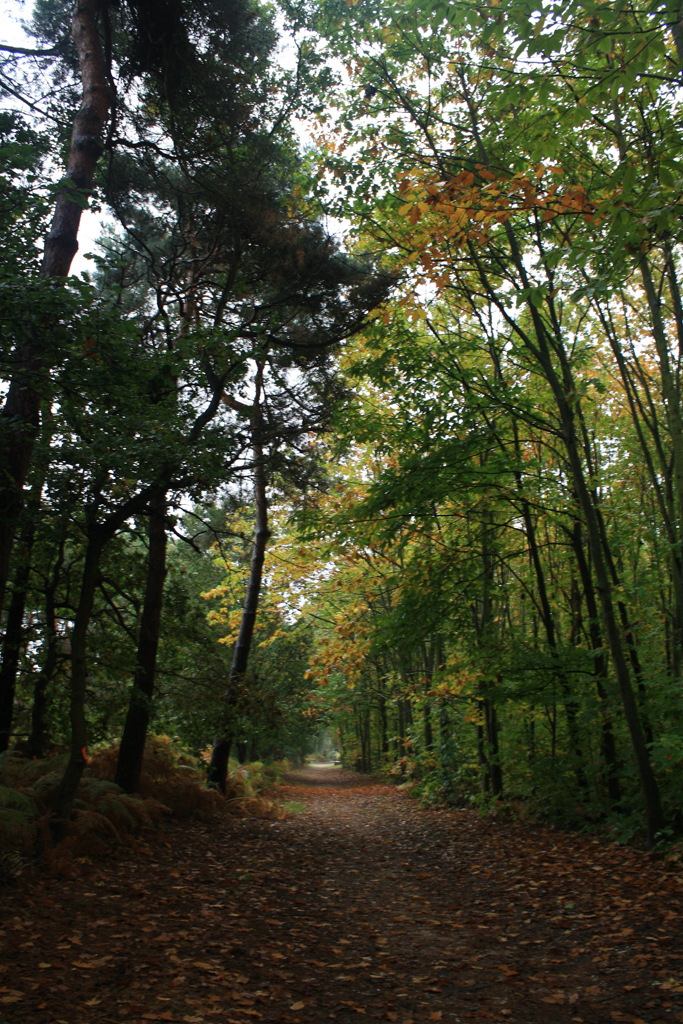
(367, 419)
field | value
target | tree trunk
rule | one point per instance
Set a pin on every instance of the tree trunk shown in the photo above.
(570, 704)
(99, 534)
(384, 739)
(66, 791)
(14, 632)
(495, 769)
(401, 738)
(649, 787)
(218, 767)
(545, 345)
(429, 732)
(240, 660)
(134, 735)
(487, 727)
(564, 392)
(427, 712)
(629, 637)
(481, 749)
(20, 417)
(36, 742)
(664, 495)
(609, 750)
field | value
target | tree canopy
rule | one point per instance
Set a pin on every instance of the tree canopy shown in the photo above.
(422, 487)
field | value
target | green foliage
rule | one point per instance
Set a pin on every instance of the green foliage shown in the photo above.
(433, 586)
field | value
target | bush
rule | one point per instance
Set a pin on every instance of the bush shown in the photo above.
(172, 782)
(170, 776)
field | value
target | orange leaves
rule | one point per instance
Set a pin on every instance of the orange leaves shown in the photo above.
(465, 178)
(466, 207)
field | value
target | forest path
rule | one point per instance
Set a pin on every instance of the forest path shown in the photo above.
(362, 906)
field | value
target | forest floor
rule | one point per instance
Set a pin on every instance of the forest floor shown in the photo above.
(360, 906)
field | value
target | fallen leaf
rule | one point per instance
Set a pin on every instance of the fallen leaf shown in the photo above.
(45, 965)
(93, 1002)
(436, 1015)
(298, 1006)
(90, 965)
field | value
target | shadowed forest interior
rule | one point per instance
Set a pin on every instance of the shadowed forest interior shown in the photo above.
(361, 437)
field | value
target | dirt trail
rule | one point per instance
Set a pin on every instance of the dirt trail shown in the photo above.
(360, 906)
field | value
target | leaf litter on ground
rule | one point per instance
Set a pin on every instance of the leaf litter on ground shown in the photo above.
(363, 907)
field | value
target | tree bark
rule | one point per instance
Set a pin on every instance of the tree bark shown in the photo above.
(36, 742)
(98, 534)
(570, 703)
(218, 767)
(20, 417)
(14, 632)
(564, 392)
(545, 346)
(134, 735)
(649, 787)
(487, 727)
(66, 791)
(665, 494)
(495, 768)
(609, 749)
(428, 683)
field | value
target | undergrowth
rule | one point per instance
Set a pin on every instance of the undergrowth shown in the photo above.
(172, 784)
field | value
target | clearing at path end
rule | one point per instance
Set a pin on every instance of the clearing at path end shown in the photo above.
(360, 906)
